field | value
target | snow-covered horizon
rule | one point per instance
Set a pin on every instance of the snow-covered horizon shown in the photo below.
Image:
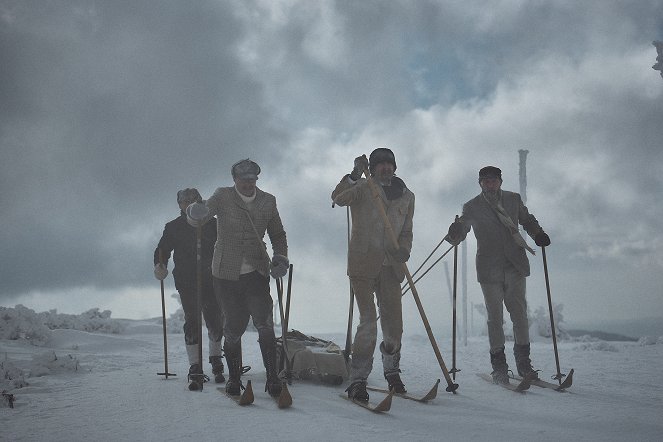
(98, 381)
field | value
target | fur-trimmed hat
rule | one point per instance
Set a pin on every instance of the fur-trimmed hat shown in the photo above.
(381, 155)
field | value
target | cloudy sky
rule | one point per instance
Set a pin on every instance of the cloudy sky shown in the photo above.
(108, 108)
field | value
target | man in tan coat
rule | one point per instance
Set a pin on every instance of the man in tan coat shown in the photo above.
(241, 266)
(375, 267)
(501, 264)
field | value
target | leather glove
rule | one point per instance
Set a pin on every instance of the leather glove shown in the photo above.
(361, 163)
(196, 214)
(456, 234)
(542, 239)
(279, 266)
(160, 271)
(400, 255)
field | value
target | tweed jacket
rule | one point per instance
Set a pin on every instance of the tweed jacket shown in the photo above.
(236, 238)
(495, 245)
(370, 243)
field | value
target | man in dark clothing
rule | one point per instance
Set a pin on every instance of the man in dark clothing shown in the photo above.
(180, 238)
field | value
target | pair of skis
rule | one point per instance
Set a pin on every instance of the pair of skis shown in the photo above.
(525, 383)
(284, 400)
(385, 404)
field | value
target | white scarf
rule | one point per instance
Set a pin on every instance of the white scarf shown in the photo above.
(507, 222)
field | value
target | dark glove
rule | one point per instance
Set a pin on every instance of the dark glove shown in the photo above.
(361, 163)
(400, 255)
(456, 234)
(542, 239)
(279, 266)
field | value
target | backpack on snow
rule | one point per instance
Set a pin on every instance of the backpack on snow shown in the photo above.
(311, 358)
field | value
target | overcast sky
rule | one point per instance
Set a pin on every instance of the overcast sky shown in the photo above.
(108, 108)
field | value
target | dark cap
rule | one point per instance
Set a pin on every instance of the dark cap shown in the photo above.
(189, 195)
(245, 170)
(381, 155)
(490, 172)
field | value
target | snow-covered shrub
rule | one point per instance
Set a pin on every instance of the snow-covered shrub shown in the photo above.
(23, 323)
(541, 318)
(175, 323)
(48, 362)
(650, 340)
(597, 346)
(10, 375)
(92, 320)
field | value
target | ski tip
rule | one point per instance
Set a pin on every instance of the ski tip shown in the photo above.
(432, 394)
(385, 404)
(247, 395)
(285, 399)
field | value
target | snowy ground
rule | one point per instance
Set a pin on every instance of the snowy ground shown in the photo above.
(115, 394)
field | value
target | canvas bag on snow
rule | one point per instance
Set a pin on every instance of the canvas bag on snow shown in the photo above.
(312, 359)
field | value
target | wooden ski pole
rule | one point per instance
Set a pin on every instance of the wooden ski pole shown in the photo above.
(429, 256)
(406, 287)
(284, 330)
(451, 387)
(559, 376)
(454, 370)
(348, 334)
(163, 321)
(287, 302)
(199, 283)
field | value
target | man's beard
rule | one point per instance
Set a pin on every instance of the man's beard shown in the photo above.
(493, 196)
(385, 179)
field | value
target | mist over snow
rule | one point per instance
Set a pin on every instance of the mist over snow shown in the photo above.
(107, 109)
(65, 383)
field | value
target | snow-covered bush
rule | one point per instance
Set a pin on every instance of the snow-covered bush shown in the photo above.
(23, 323)
(92, 320)
(175, 323)
(541, 318)
(650, 340)
(11, 376)
(48, 362)
(597, 346)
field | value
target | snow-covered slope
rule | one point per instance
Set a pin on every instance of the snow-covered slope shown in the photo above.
(104, 387)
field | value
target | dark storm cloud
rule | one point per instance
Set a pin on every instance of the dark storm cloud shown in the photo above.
(106, 108)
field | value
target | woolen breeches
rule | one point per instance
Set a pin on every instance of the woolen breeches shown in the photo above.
(212, 313)
(511, 293)
(387, 290)
(247, 297)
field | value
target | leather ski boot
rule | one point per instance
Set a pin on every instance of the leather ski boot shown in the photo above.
(234, 361)
(217, 369)
(523, 362)
(500, 372)
(268, 350)
(357, 391)
(196, 377)
(395, 383)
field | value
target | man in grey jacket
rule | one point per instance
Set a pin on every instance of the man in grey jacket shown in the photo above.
(241, 266)
(375, 266)
(502, 265)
